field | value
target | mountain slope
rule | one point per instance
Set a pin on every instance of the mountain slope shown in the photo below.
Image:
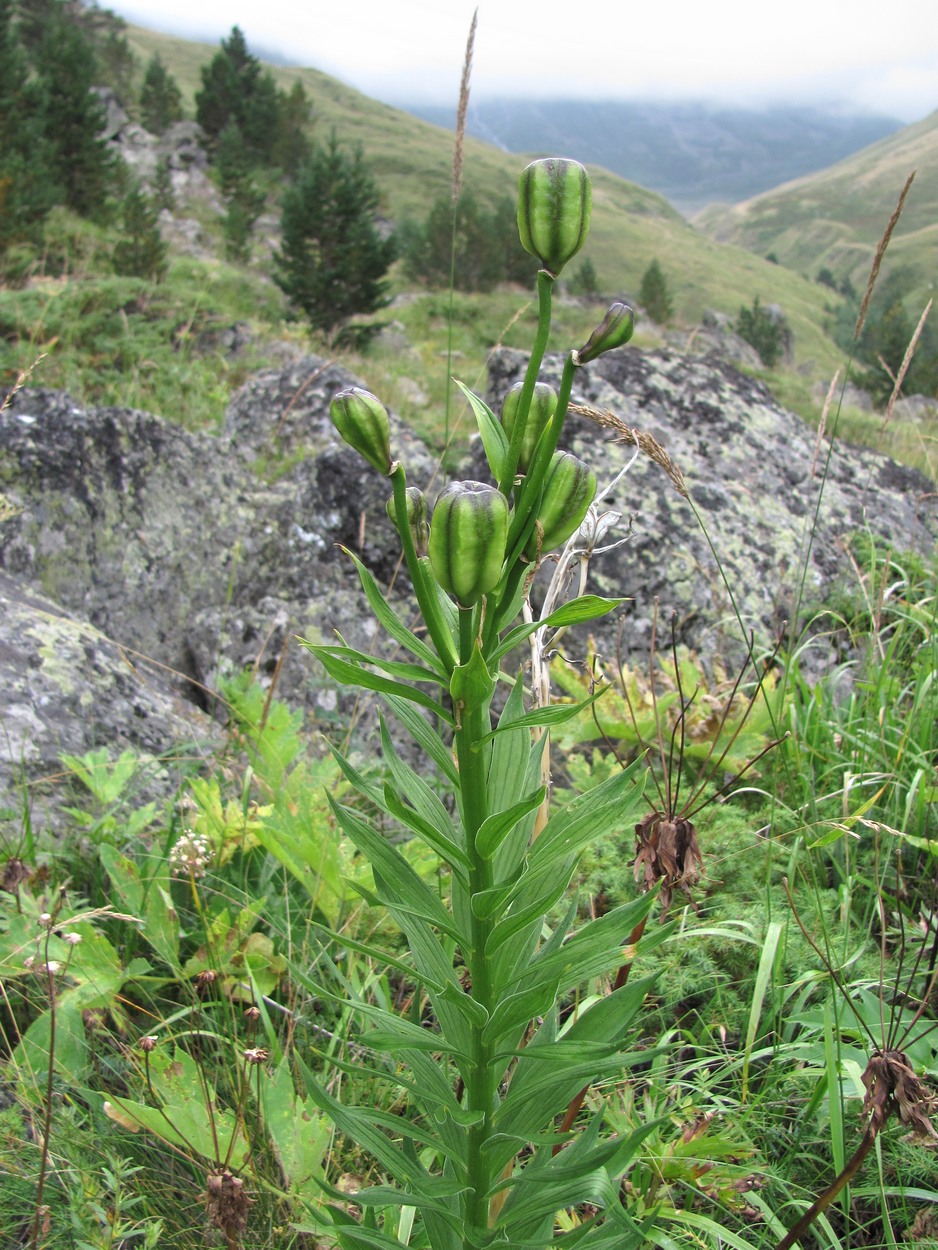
(412, 161)
(836, 217)
(691, 152)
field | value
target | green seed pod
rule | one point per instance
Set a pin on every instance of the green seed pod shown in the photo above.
(569, 489)
(615, 329)
(554, 199)
(543, 405)
(416, 518)
(468, 535)
(362, 421)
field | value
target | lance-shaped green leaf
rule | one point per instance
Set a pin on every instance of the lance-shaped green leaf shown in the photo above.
(389, 863)
(604, 809)
(556, 714)
(493, 436)
(425, 736)
(392, 623)
(451, 854)
(424, 800)
(353, 673)
(357, 1124)
(496, 828)
(576, 612)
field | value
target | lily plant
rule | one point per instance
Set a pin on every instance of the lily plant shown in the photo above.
(507, 1025)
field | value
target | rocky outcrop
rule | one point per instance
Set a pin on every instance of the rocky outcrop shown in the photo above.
(771, 500)
(143, 561)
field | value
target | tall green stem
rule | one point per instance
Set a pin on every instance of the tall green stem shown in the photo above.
(423, 591)
(545, 286)
(473, 723)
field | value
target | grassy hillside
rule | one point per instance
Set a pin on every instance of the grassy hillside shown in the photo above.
(123, 342)
(412, 163)
(835, 218)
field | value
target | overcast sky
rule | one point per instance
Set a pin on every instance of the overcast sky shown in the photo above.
(880, 57)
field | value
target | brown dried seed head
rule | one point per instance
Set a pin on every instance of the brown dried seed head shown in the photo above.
(257, 1054)
(227, 1204)
(148, 1044)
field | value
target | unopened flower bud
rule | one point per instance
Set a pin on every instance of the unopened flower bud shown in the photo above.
(416, 518)
(615, 329)
(468, 536)
(554, 200)
(543, 405)
(362, 421)
(569, 489)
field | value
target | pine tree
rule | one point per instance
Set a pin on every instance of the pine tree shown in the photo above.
(244, 201)
(234, 89)
(83, 168)
(654, 295)
(141, 252)
(293, 146)
(26, 191)
(160, 98)
(333, 259)
(763, 331)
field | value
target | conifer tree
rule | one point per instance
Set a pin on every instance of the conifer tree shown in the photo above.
(292, 146)
(244, 201)
(654, 295)
(26, 191)
(235, 89)
(333, 260)
(160, 98)
(83, 168)
(141, 252)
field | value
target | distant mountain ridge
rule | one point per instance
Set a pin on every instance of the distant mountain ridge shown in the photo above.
(693, 153)
(835, 217)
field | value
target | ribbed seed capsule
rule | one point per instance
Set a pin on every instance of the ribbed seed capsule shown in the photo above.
(362, 421)
(543, 405)
(615, 330)
(554, 200)
(468, 535)
(569, 489)
(416, 517)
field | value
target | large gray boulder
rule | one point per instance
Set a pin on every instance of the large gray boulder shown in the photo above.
(772, 501)
(179, 557)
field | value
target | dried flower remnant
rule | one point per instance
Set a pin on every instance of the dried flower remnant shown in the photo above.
(667, 851)
(255, 1055)
(227, 1204)
(892, 1086)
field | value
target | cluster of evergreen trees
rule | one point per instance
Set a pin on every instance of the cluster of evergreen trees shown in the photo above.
(51, 148)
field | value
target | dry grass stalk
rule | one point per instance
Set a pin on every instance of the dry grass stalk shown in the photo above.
(462, 109)
(880, 253)
(21, 379)
(633, 437)
(823, 422)
(904, 367)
